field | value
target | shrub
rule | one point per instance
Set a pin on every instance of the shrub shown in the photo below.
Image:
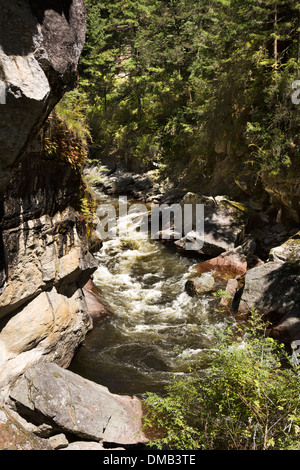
(66, 134)
(248, 398)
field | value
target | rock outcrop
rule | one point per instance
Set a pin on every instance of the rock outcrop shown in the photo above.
(44, 255)
(41, 43)
(46, 301)
(48, 394)
(43, 311)
(227, 265)
(224, 224)
(273, 288)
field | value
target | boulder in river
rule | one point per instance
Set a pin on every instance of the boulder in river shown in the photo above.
(41, 43)
(227, 265)
(97, 306)
(225, 224)
(200, 285)
(288, 251)
(273, 289)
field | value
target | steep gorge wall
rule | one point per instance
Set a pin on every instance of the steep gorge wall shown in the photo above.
(45, 260)
(40, 46)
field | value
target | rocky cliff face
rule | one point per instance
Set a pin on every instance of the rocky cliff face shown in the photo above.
(40, 46)
(42, 306)
(43, 248)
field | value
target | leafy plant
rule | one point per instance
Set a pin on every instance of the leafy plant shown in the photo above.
(247, 399)
(67, 134)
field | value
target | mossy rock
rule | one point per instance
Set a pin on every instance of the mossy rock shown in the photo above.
(289, 251)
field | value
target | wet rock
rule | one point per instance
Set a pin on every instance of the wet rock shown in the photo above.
(273, 289)
(227, 265)
(58, 441)
(97, 306)
(224, 225)
(200, 285)
(78, 406)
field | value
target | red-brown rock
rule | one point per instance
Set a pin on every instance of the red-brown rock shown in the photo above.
(228, 265)
(98, 308)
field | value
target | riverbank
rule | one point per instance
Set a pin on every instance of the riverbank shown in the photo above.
(244, 240)
(246, 259)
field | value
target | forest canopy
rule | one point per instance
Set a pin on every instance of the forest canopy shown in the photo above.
(179, 81)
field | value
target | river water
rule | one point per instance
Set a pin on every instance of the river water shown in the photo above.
(158, 329)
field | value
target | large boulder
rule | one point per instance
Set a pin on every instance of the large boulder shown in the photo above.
(288, 251)
(41, 44)
(225, 223)
(273, 289)
(78, 406)
(288, 329)
(50, 328)
(215, 273)
(227, 265)
(200, 285)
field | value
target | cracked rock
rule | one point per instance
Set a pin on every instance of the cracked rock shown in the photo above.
(78, 406)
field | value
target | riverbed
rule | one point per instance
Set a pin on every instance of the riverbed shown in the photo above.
(157, 329)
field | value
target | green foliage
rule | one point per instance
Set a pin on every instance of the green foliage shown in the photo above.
(248, 398)
(72, 110)
(165, 81)
(66, 133)
(88, 209)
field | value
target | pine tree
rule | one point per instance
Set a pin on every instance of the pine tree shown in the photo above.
(167, 79)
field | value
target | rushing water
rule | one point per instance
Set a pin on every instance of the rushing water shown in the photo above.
(157, 328)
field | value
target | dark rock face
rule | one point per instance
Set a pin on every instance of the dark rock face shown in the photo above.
(44, 237)
(44, 255)
(47, 265)
(274, 290)
(40, 46)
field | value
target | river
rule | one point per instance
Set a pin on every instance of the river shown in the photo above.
(158, 329)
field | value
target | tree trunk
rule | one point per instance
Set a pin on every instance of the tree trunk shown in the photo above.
(275, 37)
